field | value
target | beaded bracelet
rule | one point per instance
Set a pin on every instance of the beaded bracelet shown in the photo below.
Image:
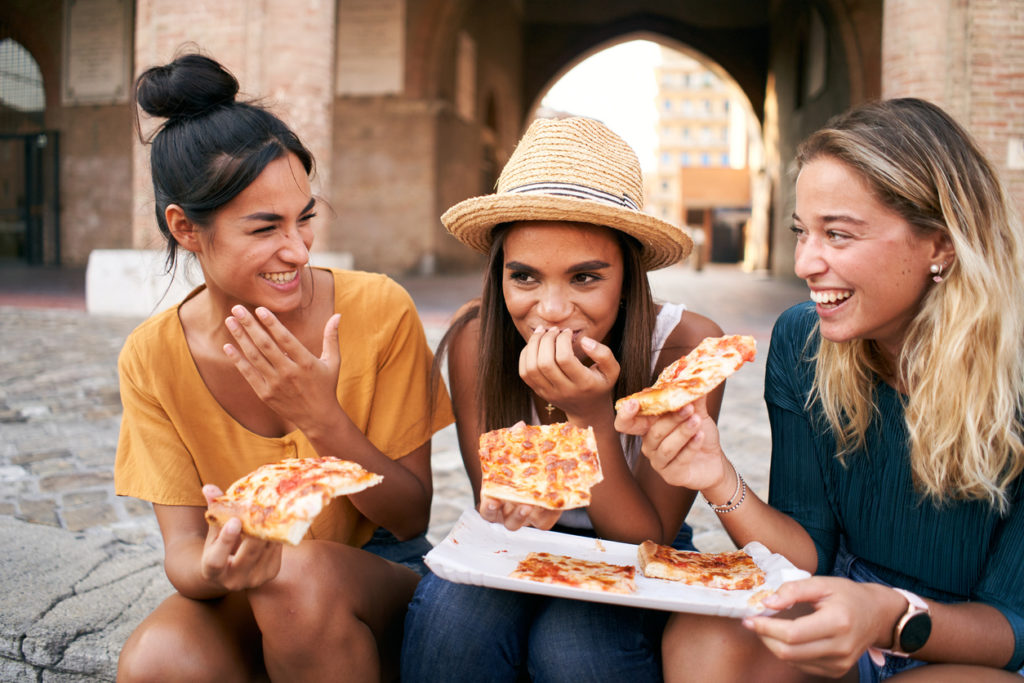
(733, 502)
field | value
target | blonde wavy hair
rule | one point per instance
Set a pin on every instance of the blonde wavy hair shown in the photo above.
(962, 361)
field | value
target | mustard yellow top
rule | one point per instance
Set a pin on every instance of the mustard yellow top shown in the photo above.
(175, 437)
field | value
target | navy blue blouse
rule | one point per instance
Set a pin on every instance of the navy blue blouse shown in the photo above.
(956, 552)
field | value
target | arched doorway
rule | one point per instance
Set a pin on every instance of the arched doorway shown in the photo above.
(29, 230)
(695, 131)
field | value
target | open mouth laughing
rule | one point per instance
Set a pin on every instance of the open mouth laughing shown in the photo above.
(828, 298)
(280, 278)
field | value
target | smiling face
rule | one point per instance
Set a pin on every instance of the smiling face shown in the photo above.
(564, 275)
(254, 251)
(867, 267)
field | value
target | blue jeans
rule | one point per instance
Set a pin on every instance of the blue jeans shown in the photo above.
(457, 632)
(852, 567)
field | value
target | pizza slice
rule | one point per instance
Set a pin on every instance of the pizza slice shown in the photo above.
(694, 375)
(552, 466)
(563, 570)
(728, 571)
(278, 501)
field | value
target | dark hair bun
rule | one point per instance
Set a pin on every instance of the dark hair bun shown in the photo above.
(188, 86)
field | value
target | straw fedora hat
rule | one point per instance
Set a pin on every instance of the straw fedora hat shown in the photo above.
(573, 169)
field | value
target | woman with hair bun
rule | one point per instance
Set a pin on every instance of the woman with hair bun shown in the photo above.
(895, 398)
(269, 359)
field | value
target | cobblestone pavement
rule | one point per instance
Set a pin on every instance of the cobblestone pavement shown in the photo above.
(60, 413)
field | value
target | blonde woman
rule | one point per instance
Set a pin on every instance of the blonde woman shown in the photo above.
(894, 398)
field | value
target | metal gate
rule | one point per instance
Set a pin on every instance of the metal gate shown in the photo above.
(29, 198)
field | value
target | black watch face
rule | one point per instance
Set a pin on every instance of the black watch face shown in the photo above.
(915, 633)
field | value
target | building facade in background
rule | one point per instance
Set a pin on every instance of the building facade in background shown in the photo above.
(413, 105)
(706, 137)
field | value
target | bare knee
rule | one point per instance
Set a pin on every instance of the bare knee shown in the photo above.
(318, 612)
(701, 647)
(160, 651)
(955, 673)
(324, 586)
(190, 640)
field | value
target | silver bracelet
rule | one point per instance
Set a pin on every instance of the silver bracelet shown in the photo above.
(738, 496)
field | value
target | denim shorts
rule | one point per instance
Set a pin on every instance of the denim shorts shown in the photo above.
(852, 567)
(410, 553)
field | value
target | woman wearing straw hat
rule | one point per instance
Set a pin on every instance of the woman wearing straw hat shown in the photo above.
(566, 325)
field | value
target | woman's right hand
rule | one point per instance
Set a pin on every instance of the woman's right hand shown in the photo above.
(847, 618)
(234, 560)
(682, 446)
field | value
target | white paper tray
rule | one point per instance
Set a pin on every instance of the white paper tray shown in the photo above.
(484, 554)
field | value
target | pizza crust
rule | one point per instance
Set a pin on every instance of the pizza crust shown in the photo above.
(728, 571)
(694, 375)
(279, 501)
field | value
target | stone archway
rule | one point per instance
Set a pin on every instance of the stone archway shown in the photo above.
(724, 192)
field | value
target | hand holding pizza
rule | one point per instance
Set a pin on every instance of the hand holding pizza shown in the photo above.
(529, 474)
(682, 446)
(549, 365)
(297, 385)
(234, 560)
(517, 515)
(829, 640)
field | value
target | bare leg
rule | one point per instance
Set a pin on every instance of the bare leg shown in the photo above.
(704, 648)
(332, 609)
(955, 673)
(194, 640)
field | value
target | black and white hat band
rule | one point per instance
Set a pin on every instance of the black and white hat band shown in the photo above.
(577, 191)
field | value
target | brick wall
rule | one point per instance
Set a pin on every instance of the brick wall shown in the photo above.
(282, 53)
(968, 57)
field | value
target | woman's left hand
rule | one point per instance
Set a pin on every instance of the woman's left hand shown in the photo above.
(297, 385)
(517, 515)
(548, 364)
(827, 642)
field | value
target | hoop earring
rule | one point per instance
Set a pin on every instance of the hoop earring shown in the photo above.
(936, 270)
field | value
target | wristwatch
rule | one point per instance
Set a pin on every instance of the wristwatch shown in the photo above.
(911, 632)
(913, 628)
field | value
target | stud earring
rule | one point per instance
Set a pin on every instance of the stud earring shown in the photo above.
(936, 269)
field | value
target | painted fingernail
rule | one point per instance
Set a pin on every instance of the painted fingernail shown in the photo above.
(539, 330)
(588, 344)
(232, 324)
(238, 311)
(262, 313)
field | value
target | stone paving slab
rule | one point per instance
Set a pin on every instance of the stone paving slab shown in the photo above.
(82, 567)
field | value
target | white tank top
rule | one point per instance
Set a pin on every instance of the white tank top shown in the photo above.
(668, 318)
